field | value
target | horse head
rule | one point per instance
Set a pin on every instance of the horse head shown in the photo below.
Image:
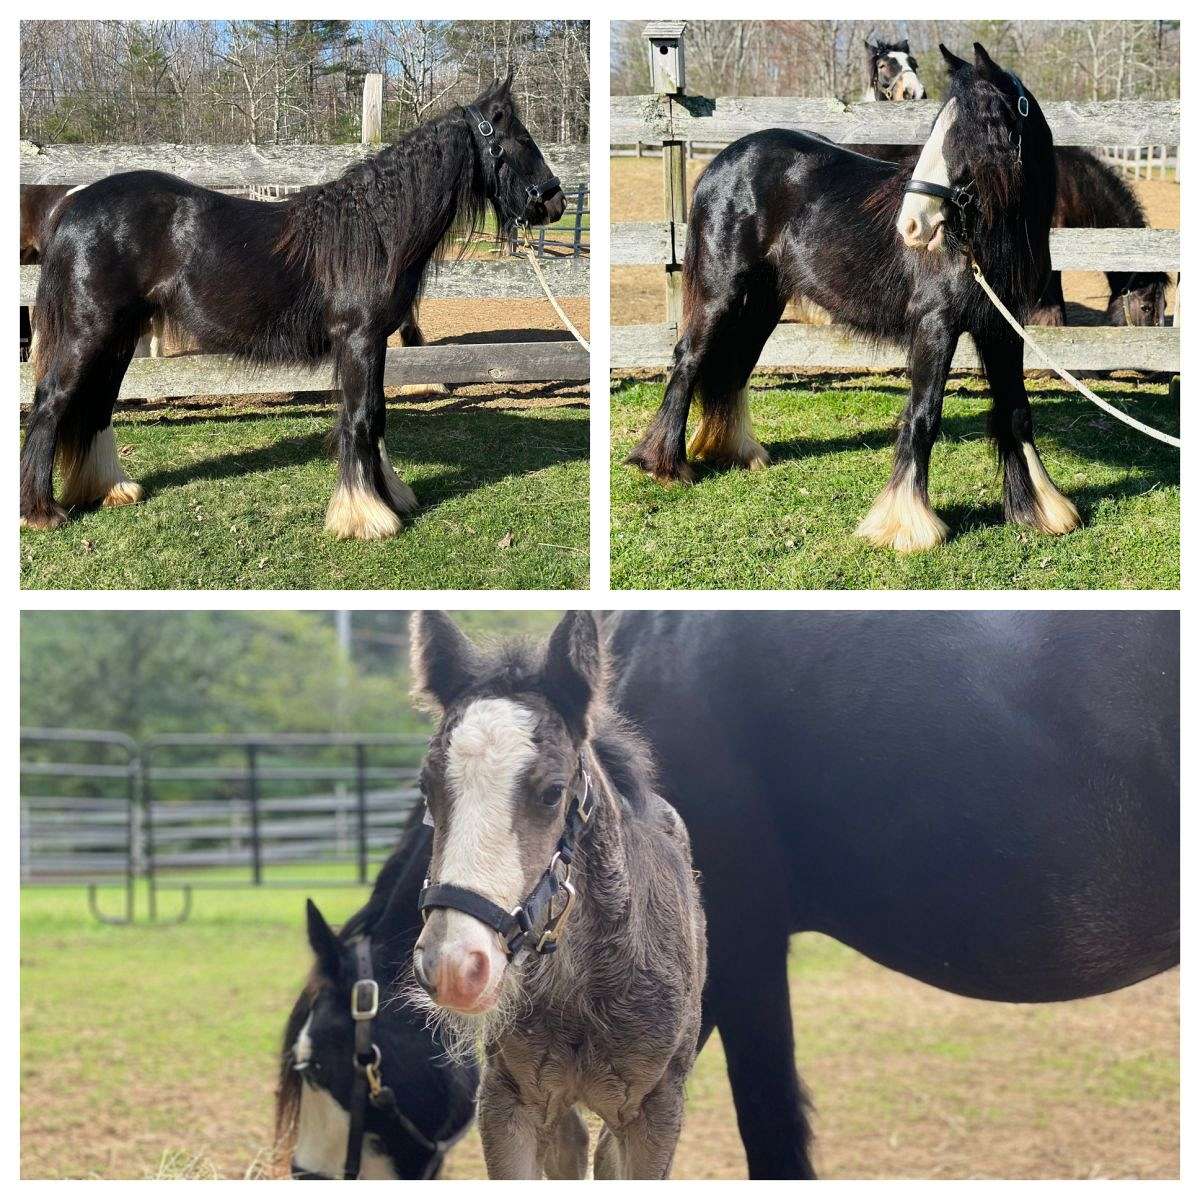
(988, 156)
(518, 179)
(508, 793)
(1139, 298)
(892, 72)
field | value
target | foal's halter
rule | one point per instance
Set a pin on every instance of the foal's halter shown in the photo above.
(494, 151)
(368, 1084)
(533, 925)
(962, 195)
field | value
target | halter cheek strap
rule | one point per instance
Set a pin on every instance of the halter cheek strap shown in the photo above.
(533, 925)
(486, 132)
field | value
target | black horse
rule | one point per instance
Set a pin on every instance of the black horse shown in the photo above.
(330, 273)
(781, 215)
(1091, 195)
(987, 802)
(423, 1102)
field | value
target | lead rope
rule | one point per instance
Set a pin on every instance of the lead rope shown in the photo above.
(1062, 372)
(562, 316)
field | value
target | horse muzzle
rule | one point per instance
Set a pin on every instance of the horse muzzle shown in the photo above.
(459, 963)
(544, 203)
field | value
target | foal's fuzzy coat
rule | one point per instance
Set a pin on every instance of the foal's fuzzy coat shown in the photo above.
(611, 1020)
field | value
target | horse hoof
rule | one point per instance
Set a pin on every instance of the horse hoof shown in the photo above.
(683, 474)
(53, 517)
(356, 513)
(120, 494)
(902, 521)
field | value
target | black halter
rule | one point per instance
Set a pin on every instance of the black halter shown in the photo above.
(533, 924)
(368, 1086)
(962, 195)
(494, 152)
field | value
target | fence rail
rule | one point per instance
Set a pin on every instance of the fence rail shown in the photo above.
(185, 812)
(676, 122)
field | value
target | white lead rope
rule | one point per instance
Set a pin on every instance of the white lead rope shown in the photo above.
(1062, 372)
(562, 316)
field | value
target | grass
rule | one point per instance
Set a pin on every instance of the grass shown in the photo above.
(237, 495)
(150, 1052)
(830, 439)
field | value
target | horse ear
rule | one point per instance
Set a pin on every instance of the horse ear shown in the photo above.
(984, 64)
(952, 60)
(444, 663)
(324, 942)
(572, 672)
(903, 46)
(506, 85)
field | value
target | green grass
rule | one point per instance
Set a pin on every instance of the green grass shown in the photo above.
(237, 496)
(830, 440)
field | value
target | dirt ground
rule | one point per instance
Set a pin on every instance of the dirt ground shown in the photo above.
(497, 320)
(637, 292)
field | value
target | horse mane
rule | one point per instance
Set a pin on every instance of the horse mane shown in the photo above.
(389, 213)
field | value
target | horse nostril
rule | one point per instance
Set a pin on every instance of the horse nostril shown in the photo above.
(419, 971)
(911, 228)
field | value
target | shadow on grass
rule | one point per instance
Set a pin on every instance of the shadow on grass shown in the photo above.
(482, 446)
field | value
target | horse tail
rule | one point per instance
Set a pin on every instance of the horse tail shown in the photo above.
(289, 1089)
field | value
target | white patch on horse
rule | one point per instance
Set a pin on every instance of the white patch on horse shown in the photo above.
(922, 217)
(302, 1048)
(322, 1134)
(908, 84)
(489, 749)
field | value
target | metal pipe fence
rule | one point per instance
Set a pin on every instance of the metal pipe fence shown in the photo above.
(187, 813)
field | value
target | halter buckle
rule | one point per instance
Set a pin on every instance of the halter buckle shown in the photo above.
(585, 809)
(364, 1000)
(548, 942)
(1023, 105)
(485, 127)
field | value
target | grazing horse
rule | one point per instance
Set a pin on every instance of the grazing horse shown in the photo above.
(984, 801)
(1091, 195)
(564, 936)
(892, 72)
(390, 1107)
(781, 215)
(329, 273)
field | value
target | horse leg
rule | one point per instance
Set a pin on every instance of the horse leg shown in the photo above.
(1051, 309)
(725, 434)
(71, 420)
(661, 452)
(1030, 497)
(566, 1154)
(901, 517)
(647, 1141)
(370, 497)
(507, 1128)
(750, 1002)
(411, 335)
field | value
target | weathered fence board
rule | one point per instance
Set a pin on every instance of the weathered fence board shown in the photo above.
(648, 243)
(724, 119)
(236, 166)
(223, 375)
(507, 278)
(1078, 348)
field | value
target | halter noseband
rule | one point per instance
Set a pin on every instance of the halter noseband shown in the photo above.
(962, 195)
(494, 151)
(368, 1083)
(533, 925)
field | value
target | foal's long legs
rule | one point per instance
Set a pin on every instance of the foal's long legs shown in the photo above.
(370, 497)
(71, 419)
(901, 517)
(1030, 497)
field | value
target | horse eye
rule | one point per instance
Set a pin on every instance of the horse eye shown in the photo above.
(551, 796)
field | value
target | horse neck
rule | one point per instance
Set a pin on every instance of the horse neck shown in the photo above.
(604, 869)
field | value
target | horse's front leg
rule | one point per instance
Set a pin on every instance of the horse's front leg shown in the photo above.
(508, 1129)
(370, 497)
(643, 1146)
(901, 517)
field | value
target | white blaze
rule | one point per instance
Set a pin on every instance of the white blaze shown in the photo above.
(489, 750)
(322, 1134)
(908, 80)
(920, 216)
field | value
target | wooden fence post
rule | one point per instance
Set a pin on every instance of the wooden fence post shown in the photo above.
(372, 109)
(667, 79)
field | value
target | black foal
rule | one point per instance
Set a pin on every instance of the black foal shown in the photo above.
(330, 273)
(783, 215)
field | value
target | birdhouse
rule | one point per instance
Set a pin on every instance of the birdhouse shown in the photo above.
(666, 56)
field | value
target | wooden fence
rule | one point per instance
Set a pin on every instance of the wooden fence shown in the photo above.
(673, 119)
(279, 167)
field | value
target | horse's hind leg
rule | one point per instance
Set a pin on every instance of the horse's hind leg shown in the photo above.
(725, 435)
(901, 517)
(411, 335)
(1030, 497)
(71, 420)
(370, 497)
(1051, 308)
